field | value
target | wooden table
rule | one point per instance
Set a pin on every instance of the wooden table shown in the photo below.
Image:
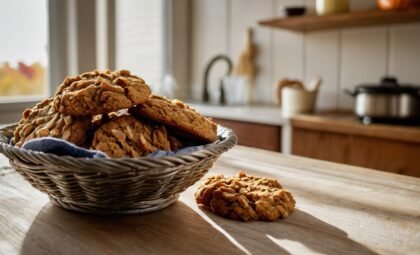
(340, 210)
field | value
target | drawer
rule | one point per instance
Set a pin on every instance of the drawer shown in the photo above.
(256, 135)
(371, 152)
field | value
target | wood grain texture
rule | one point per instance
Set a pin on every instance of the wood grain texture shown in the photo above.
(320, 145)
(340, 210)
(390, 156)
(256, 135)
(370, 152)
(345, 123)
(344, 20)
(42, 228)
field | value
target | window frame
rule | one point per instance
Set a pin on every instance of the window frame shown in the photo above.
(11, 109)
(65, 22)
(69, 22)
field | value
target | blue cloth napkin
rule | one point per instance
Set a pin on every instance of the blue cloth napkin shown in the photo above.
(61, 147)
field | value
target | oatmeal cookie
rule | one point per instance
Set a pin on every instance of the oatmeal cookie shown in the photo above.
(245, 198)
(100, 119)
(184, 120)
(125, 136)
(97, 92)
(43, 120)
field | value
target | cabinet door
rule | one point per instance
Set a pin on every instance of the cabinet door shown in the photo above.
(370, 152)
(383, 154)
(256, 135)
(320, 145)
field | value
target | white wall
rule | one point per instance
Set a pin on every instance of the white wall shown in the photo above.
(139, 38)
(342, 57)
(153, 37)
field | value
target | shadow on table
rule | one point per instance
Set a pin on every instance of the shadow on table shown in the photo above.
(177, 229)
(300, 233)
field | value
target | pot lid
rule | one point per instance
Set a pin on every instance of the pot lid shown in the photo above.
(388, 85)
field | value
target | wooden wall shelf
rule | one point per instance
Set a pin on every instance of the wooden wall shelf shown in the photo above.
(351, 19)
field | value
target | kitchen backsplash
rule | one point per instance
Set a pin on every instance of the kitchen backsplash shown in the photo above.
(342, 57)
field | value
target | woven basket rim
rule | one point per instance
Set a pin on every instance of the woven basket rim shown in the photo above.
(226, 140)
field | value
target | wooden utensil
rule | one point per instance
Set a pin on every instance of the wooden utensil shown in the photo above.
(245, 65)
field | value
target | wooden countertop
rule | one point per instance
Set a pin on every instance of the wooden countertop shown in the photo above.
(340, 210)
(346, 123)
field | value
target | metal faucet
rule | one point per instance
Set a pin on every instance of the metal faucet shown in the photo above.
(206, 96)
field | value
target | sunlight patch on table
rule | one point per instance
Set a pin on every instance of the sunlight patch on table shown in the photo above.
(292, 247)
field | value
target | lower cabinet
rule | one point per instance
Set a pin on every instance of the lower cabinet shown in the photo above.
(395, 156)
(256, 135)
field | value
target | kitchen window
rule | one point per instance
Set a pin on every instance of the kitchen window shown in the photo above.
(41, 44)
(24, 50)
(139, 38)
(50, 40)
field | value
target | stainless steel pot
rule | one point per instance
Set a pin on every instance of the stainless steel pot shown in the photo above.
(387, 102)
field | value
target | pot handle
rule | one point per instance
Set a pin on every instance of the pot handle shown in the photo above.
(350, 92)
(389, 81)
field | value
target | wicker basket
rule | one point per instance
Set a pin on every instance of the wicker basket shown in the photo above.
(113, 186)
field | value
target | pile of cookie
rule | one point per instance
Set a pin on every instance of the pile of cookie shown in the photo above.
(114, 112)
(245, 197)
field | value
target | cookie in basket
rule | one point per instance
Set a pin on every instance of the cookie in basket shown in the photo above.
(43, 120)
(178, 116)
(97, 92)
(175, 143)
(245, 198)
(126, 136)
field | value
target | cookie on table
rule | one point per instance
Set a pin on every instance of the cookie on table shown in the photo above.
(126, 136)
(98, 92)
(43, 120)
(245, 198)
(179, 117)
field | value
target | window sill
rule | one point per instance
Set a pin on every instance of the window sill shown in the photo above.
(10, 100)
(11, 111)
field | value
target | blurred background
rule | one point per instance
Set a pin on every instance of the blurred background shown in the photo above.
(46, 40)
(337, 80)
(24, 49)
